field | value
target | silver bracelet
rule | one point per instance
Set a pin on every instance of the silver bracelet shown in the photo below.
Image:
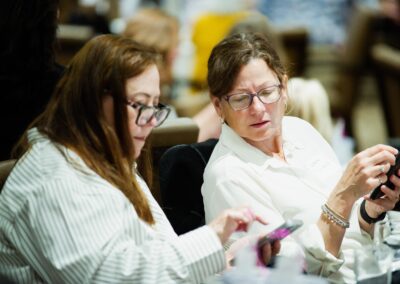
(334, 217)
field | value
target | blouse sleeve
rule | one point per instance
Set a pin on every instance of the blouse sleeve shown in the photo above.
(83, 235)
(321, 262)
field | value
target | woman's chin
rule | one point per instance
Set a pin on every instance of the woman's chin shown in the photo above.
(138, 148)
(137, 154)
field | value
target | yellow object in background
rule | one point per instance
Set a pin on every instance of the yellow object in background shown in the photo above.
(208, 30)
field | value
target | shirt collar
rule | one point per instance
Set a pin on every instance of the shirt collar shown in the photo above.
(35, 136)
(249, 153)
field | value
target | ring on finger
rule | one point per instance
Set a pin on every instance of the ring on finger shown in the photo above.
(380, 180)
(382, 169)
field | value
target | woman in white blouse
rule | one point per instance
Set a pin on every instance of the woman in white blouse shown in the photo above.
(74, 210)
(282, 167)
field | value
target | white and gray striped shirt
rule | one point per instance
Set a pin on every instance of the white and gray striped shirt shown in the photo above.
(62, 223)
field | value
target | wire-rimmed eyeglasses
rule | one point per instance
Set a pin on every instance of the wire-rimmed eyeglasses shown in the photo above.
(266, 95)
(146, 113)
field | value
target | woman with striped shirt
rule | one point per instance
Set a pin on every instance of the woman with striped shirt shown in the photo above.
(74, 210)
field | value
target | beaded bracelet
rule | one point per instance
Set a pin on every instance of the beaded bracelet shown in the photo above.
(334, 217)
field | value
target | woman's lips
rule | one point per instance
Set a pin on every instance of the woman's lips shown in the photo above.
(259, 124)
(143, 139)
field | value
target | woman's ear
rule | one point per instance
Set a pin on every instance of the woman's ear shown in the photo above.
(217, 105)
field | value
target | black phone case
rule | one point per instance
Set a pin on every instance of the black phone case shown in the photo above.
(376, 193)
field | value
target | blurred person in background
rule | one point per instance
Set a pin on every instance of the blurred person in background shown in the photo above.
(325, 20)
(308, 100)
(157, 29)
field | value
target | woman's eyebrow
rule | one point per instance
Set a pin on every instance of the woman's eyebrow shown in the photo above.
(259, 87)
(146, 95)
(265, 84)
(140, 94)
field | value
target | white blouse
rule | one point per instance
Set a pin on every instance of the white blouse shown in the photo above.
(62, 223)
(240, 174)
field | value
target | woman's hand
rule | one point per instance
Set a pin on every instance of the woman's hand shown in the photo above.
(269, 250)
(387, 202)
(265, 253)
(366, 171)
(232, 220)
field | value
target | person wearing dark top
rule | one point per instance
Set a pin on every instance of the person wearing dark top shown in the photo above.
(387, 27)
(28, 72)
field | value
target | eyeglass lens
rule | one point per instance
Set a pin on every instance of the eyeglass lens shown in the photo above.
(244, 100)
(147, 113)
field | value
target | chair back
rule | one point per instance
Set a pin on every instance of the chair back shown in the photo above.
(5, 169)
(181, 177)
(387, 63)
(182, 130)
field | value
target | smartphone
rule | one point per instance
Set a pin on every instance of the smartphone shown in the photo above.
(281, 232)
(376, 193)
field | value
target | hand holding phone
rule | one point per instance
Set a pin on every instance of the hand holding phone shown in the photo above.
(377, 192)
(288, 227)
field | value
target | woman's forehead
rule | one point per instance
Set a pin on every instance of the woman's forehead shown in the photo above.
(255, 73)
(145, 84)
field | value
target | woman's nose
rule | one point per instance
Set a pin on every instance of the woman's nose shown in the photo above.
(257, 105)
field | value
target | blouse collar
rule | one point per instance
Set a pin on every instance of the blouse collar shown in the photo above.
(249, 153)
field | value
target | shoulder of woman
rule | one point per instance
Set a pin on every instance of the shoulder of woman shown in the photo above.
(297, 129)
(296, 124)
(226, 165)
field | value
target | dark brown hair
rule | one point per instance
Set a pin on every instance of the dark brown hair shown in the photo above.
(235, 51)
(75, 118)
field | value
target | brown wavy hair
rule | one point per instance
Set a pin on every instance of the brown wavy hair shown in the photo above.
(235, 51)
(75, 118)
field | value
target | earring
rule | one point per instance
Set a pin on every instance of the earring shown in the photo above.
(221, 120)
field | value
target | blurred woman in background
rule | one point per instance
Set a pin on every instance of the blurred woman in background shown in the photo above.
(152, 27)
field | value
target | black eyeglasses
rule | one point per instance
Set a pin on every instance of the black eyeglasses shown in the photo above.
(146, 113)
(242, 101)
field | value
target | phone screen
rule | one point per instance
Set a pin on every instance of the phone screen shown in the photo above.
(281, 232)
